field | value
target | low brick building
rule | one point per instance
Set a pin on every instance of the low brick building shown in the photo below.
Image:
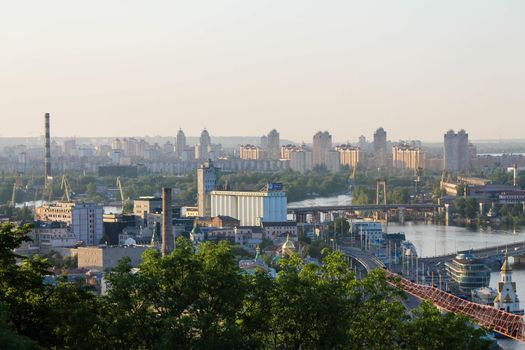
(104, 258)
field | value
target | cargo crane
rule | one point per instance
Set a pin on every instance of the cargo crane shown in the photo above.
(64, 185)
(16, 185)
(13, 197)
(121, 192)
(119, 185)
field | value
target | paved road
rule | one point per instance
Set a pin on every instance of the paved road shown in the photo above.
(369, 261)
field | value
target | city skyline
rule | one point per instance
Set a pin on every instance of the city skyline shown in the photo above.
(348, 68)
(193, 139)
(262, 174)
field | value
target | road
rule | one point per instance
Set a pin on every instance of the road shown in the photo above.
(368, 261)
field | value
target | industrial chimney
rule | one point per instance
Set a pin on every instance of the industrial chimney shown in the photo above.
(47, 156)
(168, 243)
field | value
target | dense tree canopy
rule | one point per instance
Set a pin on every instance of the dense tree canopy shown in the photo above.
(201, 300)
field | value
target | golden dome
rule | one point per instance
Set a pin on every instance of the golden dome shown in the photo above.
(506, 266)
(288, 244)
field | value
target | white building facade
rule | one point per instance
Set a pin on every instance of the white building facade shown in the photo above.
(251, 208)
(507, 299)
(87, 223)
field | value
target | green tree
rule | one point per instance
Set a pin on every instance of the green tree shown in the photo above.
(10, 339)
(196, 296)
(378, 314)
(50, 316)
(308, 304)
(431, 329)
(361, 196)
(471, 208)
(461, 203)
(202, 300)
(399, 195)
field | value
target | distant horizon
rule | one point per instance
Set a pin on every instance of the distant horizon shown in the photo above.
(287, 139)
(352, 139)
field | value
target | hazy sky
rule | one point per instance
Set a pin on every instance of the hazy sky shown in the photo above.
(417, 68)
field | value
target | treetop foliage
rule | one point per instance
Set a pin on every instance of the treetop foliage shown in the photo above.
(201, 300)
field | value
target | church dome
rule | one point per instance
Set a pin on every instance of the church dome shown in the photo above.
(288, 244)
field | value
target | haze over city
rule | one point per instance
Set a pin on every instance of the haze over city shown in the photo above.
(235, 174)
(416, 68)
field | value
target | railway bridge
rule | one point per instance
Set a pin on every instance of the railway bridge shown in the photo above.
(510, 325)
(516, 250)
(387, 210)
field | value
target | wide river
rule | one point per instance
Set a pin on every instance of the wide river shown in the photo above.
(431, 240)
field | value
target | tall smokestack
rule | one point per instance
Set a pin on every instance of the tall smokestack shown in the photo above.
(47, 158)
(167, 230)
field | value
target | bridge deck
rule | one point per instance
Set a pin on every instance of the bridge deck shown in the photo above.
(517, 248)
(292, 209)
(513, 326)
(486, 316)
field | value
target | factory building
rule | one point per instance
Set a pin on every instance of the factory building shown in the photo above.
(146, 204)
(251, 208)
(207, 178)
(105, 258)
(85, 219)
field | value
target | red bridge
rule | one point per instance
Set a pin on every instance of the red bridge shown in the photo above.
(486, 316)
(510, 325)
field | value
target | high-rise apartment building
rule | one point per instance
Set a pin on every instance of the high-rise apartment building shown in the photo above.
(322, 144)
(264, 143)
(286, 150)
(130, 147)
(405, 156)
(181, 144)
(456, 153)
(250, 152)
(350, 155)
(207, 179)
(333, 162)
(363, 144)
(380, 152)
(87, 223)
(301, 160)
(202, 150)
(47, 153)
(274, 147)
(70, 147)
(116, 144)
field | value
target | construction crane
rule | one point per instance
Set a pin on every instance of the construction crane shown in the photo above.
(119, 185)
(64, 185)
(121, 192)
(16, 185)
(13, 196)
